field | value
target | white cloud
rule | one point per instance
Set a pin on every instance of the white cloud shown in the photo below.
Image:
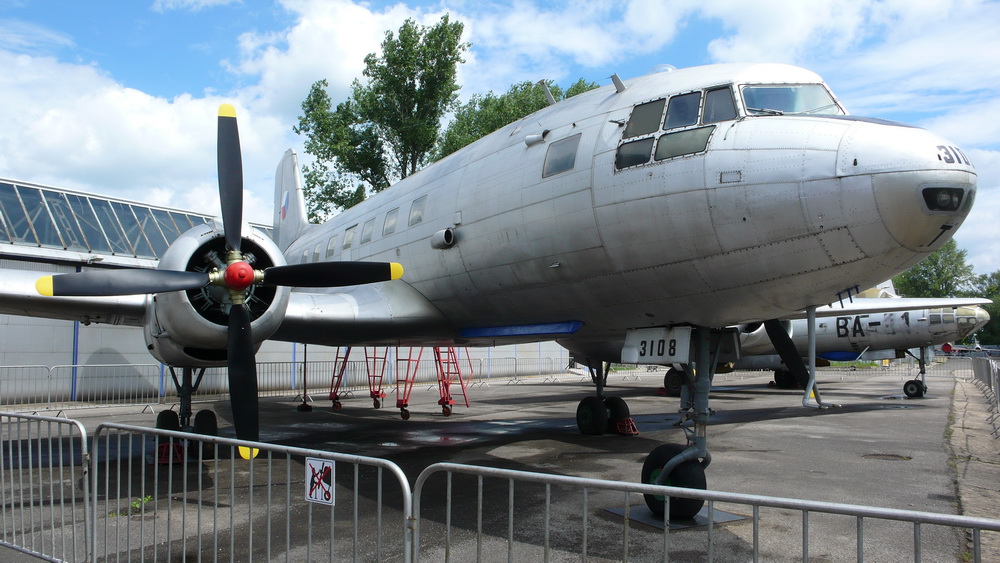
(23, 37)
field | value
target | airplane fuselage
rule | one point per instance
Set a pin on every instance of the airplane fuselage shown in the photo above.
(710, 216)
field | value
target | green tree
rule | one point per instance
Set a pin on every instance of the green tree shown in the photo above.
(988, 286)
(389, 125)
(942, 274)
(485, 113)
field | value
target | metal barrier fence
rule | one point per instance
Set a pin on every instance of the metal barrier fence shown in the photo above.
(162, 495)
(986, 374)
(44, 489)
(68, 386)
(533, 533)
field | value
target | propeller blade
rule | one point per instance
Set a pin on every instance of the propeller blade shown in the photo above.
(230, 175)
(119, 282)
(242, 374)
(332, 274)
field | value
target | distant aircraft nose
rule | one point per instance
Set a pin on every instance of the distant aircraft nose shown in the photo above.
(982, 317)
(923, 185)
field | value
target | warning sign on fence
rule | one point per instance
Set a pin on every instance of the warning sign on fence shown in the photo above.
(319, 480)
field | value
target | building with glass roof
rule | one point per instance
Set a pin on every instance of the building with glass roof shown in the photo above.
(60, 224)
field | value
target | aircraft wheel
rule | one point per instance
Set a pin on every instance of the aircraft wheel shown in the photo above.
(689, 474)
(446, 410)
(404, 414)
(376, 403)
(617, 411)
(168, 420)
(783, 379)
(592, 416)
(913, 388)
(337, 405)
(673, 382)
(206, 423)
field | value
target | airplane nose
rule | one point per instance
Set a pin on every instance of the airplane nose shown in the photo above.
(982, 317)
(923, 186)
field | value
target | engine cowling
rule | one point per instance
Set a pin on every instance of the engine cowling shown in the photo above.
(754, 338)
(189, 328)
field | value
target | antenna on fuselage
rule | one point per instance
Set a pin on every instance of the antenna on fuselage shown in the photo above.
(619, 85)
(548, 93)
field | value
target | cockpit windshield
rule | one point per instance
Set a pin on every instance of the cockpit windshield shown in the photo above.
(784, 99)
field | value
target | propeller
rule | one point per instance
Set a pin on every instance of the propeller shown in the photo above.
(237, 277)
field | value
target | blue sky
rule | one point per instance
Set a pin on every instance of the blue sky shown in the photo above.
(119, 97)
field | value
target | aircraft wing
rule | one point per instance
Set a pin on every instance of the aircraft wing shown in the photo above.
(386, 314)
(18, 296)
(863, 305)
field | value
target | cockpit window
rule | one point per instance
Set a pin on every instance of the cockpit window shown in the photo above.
(683, 110)
(719, 106)
(645, 119)
(775, 99)
(561, 155)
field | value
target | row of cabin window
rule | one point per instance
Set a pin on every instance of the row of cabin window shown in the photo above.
(388, 227)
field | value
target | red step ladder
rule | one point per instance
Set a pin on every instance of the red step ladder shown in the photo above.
(448, 372)
(339, 366)
(375, 363)
(406, 376)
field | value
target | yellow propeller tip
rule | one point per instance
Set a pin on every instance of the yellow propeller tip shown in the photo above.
(247, 453)
(395, 270)
(44, 286)
(227, 110)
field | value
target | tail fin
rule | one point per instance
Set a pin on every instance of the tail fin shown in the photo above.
(290, 219)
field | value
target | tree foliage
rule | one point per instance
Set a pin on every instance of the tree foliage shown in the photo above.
(485, 113)
(387, 128)
(942, 274)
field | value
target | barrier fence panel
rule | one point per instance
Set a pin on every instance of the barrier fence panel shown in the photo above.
(29, 385)
(171, 496)
(523, 516)
(44, 489)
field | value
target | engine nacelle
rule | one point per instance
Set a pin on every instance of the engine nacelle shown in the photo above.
(754, 338)
(190, 328)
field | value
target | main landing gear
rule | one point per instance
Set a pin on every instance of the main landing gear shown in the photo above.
(598, 414)
(916, 388)
(684, 466)
(204, 422)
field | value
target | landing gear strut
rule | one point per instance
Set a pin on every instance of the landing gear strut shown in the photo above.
(205, 422)
(916, 388)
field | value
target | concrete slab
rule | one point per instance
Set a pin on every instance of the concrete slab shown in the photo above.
(878, 449)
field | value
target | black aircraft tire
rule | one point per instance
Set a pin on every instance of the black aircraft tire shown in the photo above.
(673, 382)
(783, 379)
(592, 416)
(913, 389)
(617, 412)
(168, 420)
(207, 424)
(689, 474)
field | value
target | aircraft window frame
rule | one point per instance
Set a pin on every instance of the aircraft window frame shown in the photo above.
(645, 119)
(711, 104)
(777, 106)
(686, 141)
(637, 152)
(305, 257)
(681, 116)
(389, 225)
(20, 229)
(317, 253)
(168, 227)
(417, 211)
(349, 237)
(561, 156)
(366, 231)
(90, 224)
(331, 247)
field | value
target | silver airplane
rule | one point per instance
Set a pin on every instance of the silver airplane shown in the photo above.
(871, 336)
(630, 223)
